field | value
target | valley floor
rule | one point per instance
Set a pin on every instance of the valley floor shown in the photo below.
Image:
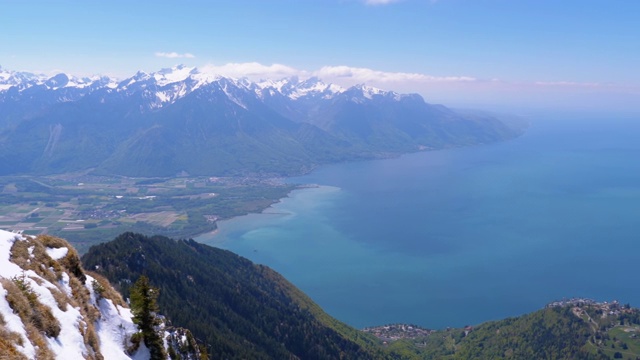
(89, 209)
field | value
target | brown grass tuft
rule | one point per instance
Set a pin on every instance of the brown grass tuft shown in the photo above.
(8, 341)
(61, 299)
(92, 341)
(108, 292)
(89, 312)
(38, 261)
(26, 304)
(19, 303)
(17, 300)
(52, 241)
(83, 298)
(71, 261)
(42, 348)
(8, 350)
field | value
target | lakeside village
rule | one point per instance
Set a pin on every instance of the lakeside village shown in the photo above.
(394, 332)
(613, 308)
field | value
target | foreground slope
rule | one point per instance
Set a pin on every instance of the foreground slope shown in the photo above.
(239, 309)
(51, 309)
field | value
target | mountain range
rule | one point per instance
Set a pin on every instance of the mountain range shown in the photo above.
(183, 120)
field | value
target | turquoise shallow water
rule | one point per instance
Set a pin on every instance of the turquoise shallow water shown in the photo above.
(461, 236)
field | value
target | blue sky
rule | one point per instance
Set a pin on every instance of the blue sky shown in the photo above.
(581, 55)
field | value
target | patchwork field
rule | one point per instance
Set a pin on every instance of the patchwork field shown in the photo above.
(89, 209)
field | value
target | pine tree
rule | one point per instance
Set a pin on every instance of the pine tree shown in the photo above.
(145, 309)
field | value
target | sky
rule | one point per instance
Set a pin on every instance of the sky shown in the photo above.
(488, 54)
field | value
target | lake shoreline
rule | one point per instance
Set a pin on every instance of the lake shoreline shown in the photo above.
(478, 233)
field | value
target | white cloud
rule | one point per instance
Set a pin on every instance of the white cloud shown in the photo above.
(568, 84)
(380, 2)
(369, 75)
(175, 55)
(342, 75)
(387, 2)
(253, 70)
(456, 90)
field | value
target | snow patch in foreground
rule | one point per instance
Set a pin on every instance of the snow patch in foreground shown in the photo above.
(57, 253)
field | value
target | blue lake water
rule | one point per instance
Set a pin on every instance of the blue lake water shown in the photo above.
(461, 236)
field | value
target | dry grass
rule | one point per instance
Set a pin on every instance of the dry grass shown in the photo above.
(38, 261)
(108, 292)
(71, 261)
(38, 319)
(92, 341)
(82, 296)
(61, 299)
(90, 313)
(8, 341)
(8, 350)
(34, 317)
(52, 241)
(17, 300)
(26, 304)
(42, 348)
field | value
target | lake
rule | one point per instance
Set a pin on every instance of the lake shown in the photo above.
(461, 236)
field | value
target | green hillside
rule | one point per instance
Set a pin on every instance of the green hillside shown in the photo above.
(575, 330)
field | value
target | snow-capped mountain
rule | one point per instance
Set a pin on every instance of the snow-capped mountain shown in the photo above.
(22, 81)
(52, 309)
(171, 84)
(292, 97)
(188, 119)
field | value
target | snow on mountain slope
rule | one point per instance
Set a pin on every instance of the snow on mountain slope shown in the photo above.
(174, 74)
(24, 80)
(21, 80)
(49, 307)
(64, 318)
(171, 84)
(295, 89)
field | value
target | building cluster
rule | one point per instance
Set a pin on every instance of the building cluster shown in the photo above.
(397, 331)
(613, 308)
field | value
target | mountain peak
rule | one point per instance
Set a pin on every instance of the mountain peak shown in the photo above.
(294, 88)
(57, 81)
(22, 80)
(174, 74)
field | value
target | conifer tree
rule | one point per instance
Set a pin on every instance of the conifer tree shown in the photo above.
(145, 309)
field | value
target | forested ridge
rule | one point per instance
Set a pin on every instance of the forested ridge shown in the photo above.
(239, 310)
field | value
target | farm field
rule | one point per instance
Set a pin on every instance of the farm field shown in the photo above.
(88, 209)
